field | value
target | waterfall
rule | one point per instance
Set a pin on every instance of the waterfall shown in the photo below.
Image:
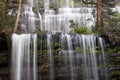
(70, 54)
(21, 57)
(102, 58)
(80, 57)
(51, 59)
(57, 55)
(85, 59)
(55, 16)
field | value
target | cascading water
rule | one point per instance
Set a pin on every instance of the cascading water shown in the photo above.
(21, 57)
(79, 57)
(55, 16)
(58, 56)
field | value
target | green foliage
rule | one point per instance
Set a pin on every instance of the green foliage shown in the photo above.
(77, 49)
(82, 30)
(110, 65)
(76, 28)
(6, 22)
(111, 29)
(113, 49)
(35, 10)
(10, 21)
(115, 73)
(38, 31)
(116, 15)
(2, 15)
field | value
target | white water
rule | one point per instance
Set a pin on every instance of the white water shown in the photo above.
(117, 9)
(35, 74)
(61, 22)
(51, 57)
(55, 20)
(21, 53)
(77, 52)
(28, 19)
(85, 60)
(103, 57)
(68, 53)
(77, 55)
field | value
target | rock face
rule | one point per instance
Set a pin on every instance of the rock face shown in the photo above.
(4, 58)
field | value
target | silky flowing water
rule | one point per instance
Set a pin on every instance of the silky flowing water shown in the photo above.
(79, 57)
(23, 67)
(55, 15)
(57, 55)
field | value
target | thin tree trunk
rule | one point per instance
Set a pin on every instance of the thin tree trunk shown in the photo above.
(99, 12)
(18, 16)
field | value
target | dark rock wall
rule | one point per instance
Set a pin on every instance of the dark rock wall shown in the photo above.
(4, 58)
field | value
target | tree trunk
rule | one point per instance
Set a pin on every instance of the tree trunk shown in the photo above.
(99, 12)
(18, 16)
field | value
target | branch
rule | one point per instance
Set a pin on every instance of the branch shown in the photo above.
(18, 16)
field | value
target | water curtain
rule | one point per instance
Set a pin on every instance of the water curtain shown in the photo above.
(57, 55)
(55, 15)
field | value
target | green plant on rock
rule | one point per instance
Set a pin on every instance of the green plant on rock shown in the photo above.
(76, 28)
(82, 30)
(77, 49)
(39, 31)
(35, 10)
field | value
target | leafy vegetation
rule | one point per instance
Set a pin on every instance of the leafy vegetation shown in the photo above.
(112, 30)
(2, 15)
(82, 30)
(35, 10)
(75, 28)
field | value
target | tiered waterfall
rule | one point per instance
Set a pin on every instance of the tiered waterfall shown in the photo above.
(57, 55)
